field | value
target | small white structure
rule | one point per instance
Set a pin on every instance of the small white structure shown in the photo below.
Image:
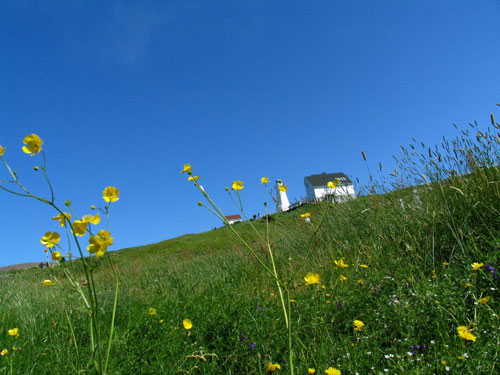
(231, 219)
(317, 188)
(283, 204)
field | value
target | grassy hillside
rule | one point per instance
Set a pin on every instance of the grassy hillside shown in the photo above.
(422, 261)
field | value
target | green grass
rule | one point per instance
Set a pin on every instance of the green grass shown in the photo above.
(406, 297)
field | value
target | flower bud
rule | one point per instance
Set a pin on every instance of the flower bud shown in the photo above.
(200, 203)
(67, 203)
(92, 207)
(227, 189)
(36, 168)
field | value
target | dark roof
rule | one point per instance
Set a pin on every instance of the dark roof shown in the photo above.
(322, 179)
(233, 217)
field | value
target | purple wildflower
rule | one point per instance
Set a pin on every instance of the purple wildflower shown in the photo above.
(252, 345)
(243, 337)
(417, 348)
(491, 270)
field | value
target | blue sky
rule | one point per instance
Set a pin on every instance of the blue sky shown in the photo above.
(124, 92)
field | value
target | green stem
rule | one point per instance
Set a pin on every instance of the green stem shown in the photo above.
(279, 286)
(115, 303)
(322, 218)
(290, 349)
(47, 177)
(73, 337)
(269, 248)
(10, 361)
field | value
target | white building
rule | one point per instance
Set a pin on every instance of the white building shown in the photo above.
(317, 188)
(233, 219)
(283, 204)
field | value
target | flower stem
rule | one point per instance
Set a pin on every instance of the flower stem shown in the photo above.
(115, 302)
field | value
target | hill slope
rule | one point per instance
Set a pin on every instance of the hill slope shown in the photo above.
(404, 282)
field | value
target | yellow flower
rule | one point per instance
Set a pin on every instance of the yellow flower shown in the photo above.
(342, 278)
(14, 332)
(358, 325)
(484, 299)
(110, 194)
(2, 150)
(363, 266)
(465, 333)
(468, 285)
(332, 371)
(461, 358)
(476, 266)
(193, 178)
(237, 185)
(48, 282)
(187, 324)
(305, 215)
(99, 244)
(62, 218)
(311, 371)
(187, 168)
(33, 144)
(96, 219)
(50, 239)
(4, 352)
(340, 263)
(283, 188)
(56, 255)
(446, 264)
(152, 311)
(332, 185)
(272, 367)
(79, 227)
(264, 180)
(444, 363)
(311, 278)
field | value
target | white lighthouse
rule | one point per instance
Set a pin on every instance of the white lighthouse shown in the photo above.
(283, 204)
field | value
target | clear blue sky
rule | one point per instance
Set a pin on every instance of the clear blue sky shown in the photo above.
(124, 92)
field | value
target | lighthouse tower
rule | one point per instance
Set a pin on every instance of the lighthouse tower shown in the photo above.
(283, 204)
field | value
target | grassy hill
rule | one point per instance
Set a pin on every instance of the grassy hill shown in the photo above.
(422, 261)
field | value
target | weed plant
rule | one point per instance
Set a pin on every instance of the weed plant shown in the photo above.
(67, 277)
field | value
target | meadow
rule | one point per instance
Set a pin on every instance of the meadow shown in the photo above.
(402, 280)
